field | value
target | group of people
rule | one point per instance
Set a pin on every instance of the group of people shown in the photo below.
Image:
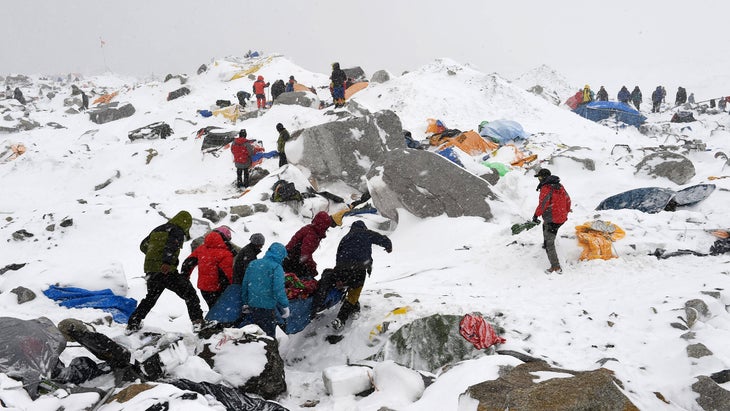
(220, 263)
(244, 151)
(635, 97)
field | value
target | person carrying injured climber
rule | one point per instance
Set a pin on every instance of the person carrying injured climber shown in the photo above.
(262, 291)
(354, 261)
(553, 206)
(214, 259)
(162, 249)
(302, 245)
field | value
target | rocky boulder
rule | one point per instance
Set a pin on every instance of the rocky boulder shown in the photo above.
(345, 149)
(110, 112)
(426, 185)
(711, 395)
(525, 388)
(675, 167)
(380, 76)
(298, 98)
(151, 132)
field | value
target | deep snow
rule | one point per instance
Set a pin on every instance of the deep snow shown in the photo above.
(439, 265)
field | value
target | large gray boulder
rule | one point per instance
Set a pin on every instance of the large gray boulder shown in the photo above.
(675, 167)
(426, 185)
(110, 112)
(428, 344)
(298, 98)
(596, 390)
(711, 395)
(356, 73)
(380, 76)
(344, 150)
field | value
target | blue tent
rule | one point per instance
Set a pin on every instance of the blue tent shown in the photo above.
(647, 199)
(601, 110)
(502, 131)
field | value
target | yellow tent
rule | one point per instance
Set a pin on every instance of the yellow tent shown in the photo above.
(230, 113)
(596, 238)
(256, 67)
(355, 88)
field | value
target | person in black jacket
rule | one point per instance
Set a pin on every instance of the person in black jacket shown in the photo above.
(247, 254)
(602, 94)
(338, 78)
(354, 261)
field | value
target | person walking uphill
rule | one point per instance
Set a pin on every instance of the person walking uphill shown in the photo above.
(262, 291)
(302, 245)
(243, 151)
(636, 97)
(259, 90)
(162, 248)
(554, 206)
(214, 259)
(354, 261)
(338, 78)
(284, 137)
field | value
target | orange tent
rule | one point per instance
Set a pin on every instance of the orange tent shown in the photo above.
(435, 126)
(302, 87)
(471, 143)
(355, 88)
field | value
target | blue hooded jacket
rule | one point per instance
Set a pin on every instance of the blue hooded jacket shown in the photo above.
(263, 284)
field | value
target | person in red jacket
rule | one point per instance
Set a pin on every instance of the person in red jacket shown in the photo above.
(243, 151)
(259, 91)
(553, 206)
(304, 242)
(214, 259)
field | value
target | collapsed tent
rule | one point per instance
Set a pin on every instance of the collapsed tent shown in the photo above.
(655, 199)
(230, 112)
(106, 98)
(302, 87)
(596, 238)
(29, 350)
(683, 117)
(72, 297)
(435, 126)
(502, 131)
(469, 142)
(601, 110)
(256, 67)
(355, 88)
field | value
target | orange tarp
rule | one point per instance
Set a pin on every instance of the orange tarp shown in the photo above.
(596, 238)
(106, 98)
(434, 126)
(302, 87)
(355, 88)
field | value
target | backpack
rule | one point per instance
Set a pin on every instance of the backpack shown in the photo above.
(285, 191)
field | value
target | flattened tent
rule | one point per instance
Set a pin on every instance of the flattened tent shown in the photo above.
(502, 131)
(106, 98)
(355, 88)
(655, 199)
(471, 143)
(230, 113)
(601, 110)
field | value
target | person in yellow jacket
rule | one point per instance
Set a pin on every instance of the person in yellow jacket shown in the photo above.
(588, 94)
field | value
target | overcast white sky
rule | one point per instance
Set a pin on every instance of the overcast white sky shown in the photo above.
(581, 39)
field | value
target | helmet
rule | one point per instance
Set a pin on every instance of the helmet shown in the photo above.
(587, 86)
(257, 239)
(242, 133)
(544, 172)
(225, 231)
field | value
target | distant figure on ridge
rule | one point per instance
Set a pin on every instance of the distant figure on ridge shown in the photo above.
(259, 90)
(243, 151)
(656, 99)
(338, 78)
(277, 89)
(636, 97)
(290, 85)
(681, 97)
(602, 94)
(623, 95)
(588, 95)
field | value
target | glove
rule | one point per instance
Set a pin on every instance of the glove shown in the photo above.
(389, 250)
(245, 309)
(536, 219)
(285, 312)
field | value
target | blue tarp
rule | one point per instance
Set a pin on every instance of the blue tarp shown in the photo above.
(502, 131)
(71, 297)
(262, 155)
(655, 199)
(449, 153)
(601, 110)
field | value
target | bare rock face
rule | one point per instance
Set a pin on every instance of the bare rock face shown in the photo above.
(427, 185)
(298, 98)
(518, 389)
(110, 112)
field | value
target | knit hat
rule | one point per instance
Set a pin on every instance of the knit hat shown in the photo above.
(279, 127)
(225, 231)
(257, 239)
(242, 133)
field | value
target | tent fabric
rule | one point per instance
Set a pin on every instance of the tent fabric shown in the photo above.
(72, 297)
(502, 131)
(574, 101)
(435, 126)
(227, 309)
(12, 152)
(601, 110)
(648, 199)
(596, 238)
(256, 67)
(29, 349)
(471, 143)
(232, 399)
(230, 113)
(106, 98)
(476, 330)
(355, 88)
(502, 169)
(449, 153)
(694, 194)
(300, 311)
(302, 87)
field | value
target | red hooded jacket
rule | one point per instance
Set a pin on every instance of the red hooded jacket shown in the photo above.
(554, 204)
(307, 239)
(243, 151)
(259, 85)
(213, 258)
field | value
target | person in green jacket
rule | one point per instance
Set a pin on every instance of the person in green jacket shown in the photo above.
(162, 249)
(281, 143)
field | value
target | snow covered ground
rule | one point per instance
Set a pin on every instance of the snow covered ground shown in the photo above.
(620, 308)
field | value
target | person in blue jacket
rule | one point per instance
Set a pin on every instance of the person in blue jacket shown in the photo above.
(262, 291)
(354, 261)
(624, 95)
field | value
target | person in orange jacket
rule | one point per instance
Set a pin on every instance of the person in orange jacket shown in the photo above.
(214, 259)
(259, 89)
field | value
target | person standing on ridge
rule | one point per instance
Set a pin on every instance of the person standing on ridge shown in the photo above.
(623, 95)
(338, 78)
(602, 94)
(284, 137)
(214, 259)
(277, 89)
(636, 97)
(354, 262)
(681, 96)
(290, 84)
(259, 90)
(656, 99)
(262, 290)
(554, 206)
(162, 249)
(302, 245)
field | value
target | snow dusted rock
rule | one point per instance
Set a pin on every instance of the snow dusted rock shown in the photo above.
(152, 131)
(675, 167)
(698, 350)
(298, 98)
(428, 344)
(380, 76)
(344, 380)
(426, 185)
(346, 149)
(699, 305)
(536, 386)
(711, 395)
(24, 294)
(401, 381)
(110, 112)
